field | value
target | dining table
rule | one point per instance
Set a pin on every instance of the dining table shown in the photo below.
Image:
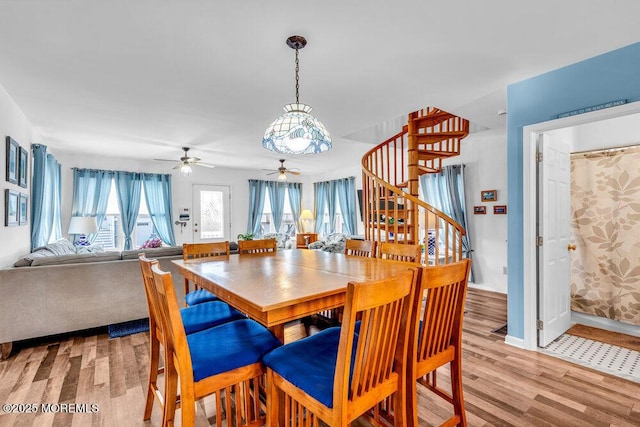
(285, 285)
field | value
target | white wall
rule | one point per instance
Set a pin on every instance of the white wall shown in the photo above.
(484, 155)
(13, 123)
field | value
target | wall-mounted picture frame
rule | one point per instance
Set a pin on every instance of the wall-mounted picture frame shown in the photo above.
(11, 199)
(13, 151)
(23, 209)
(23, 167)
(489, 195)
(480, 210)
(500, 210)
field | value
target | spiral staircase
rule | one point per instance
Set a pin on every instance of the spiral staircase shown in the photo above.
(392, 209)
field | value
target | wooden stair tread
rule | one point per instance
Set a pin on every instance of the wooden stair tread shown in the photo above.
(432, 119)
(432, 154)
(426, 138)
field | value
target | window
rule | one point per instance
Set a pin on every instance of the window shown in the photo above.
(326, 229)
(287, 225)
(110, 235)
(212, 214)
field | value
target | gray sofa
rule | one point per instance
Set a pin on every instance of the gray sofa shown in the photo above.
(66, 293)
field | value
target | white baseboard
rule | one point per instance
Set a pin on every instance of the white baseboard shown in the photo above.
(515, 342)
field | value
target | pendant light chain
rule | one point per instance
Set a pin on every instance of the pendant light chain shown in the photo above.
(297, 79)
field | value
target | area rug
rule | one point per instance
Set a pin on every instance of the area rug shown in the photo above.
(118, 330)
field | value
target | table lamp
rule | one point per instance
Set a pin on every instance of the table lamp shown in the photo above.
(305, 217)
(82, 225)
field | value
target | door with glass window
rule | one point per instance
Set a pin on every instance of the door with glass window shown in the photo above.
(211, 219)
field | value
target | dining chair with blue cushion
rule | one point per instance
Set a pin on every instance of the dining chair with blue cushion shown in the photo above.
(195, 318)
(436, 336)
(225, 360)
(205, 251)
(338, 375)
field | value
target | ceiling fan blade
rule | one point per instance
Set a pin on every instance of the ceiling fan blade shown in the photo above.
(272, 170)
(165, 160)
(178, 166)
(293, 172)
(272, 173)
(206, 165)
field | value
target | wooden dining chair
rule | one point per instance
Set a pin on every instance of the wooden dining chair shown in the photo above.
(337, 375)
(195, 318)
(209, 251)
(225, 360)
(364, 248)
(436, 336)
(400, 252)
(261, 246)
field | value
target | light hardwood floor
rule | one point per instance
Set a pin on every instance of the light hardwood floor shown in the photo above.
(503, 385)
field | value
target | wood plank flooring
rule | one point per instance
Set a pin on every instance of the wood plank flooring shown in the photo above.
(503, 385)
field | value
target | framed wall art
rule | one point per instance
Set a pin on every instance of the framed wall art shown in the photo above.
(489, 195)
(480, 210)
(13, 151)
(23, 209)
(500, 210)
(11, 207)
(23, 166)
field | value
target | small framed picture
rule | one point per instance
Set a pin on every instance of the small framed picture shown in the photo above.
(11, 208)
(13, 150)
(489, 195)
(23, 167)
(23, 209)
(500, 210)
(480, 210)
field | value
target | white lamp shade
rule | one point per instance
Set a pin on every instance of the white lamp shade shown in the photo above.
(83, 225)
(306, 214)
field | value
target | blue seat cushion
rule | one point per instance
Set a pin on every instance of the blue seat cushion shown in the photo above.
(207, 315)
(229, 346)
(310, 363)
(199, 296)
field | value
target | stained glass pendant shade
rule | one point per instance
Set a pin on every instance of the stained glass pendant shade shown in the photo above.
(297, 131)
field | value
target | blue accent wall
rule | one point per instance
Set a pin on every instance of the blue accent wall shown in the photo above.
(612, 76)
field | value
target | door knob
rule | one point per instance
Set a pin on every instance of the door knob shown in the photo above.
(571, 247)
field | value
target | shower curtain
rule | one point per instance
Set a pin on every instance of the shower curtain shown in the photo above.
(605, 227)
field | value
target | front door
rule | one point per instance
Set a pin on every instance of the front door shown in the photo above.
(554, 262)
(211, 218)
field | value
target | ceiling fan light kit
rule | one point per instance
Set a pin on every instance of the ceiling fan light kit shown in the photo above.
(297, 131)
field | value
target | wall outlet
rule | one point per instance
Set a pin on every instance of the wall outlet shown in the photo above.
(504, 270)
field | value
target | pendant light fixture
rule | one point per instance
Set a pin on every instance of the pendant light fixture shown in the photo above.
(297, 131)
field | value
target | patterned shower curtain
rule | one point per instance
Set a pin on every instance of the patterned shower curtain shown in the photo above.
(605, 227)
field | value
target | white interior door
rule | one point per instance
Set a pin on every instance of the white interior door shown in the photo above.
(211, 216)
(554, 262)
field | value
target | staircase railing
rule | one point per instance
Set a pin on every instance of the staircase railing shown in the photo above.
(392, 214)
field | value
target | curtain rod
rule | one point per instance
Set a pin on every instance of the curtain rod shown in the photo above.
(608, 150)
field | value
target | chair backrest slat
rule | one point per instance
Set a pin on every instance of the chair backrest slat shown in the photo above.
(150, 290)
(261, 246)
(216, 250)
(400, 252)
(364, 248)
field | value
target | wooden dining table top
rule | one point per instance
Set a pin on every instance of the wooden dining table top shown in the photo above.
(286, 285)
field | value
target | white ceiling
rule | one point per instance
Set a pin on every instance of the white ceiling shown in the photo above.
(144, 78)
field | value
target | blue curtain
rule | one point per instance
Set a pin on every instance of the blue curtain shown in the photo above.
(128, 186)
(91, 190)
(46, 198)
(332, 205)
(445, 191)
(320, 190)
(256, 205)
(346, 191)
(295, 202)
(157, 191)
(276, 197)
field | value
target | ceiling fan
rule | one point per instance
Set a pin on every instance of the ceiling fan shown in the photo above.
(282, 171)
(186, 161)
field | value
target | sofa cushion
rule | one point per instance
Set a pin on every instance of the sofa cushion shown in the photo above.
(26, 260)
(76, 258)
(61, 247)
(153, 252)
